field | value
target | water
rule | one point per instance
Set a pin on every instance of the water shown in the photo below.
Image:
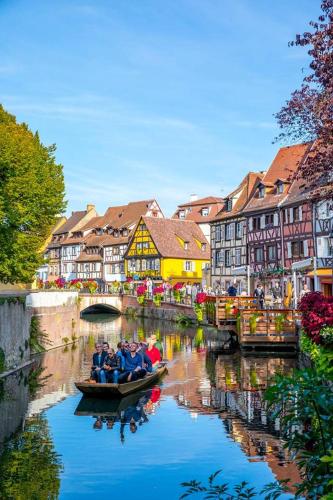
(206, 414)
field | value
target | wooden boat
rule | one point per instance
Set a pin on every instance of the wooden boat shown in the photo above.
(93, 407)
(118, 390)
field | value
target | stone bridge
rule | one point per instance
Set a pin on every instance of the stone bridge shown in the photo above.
(102, 302)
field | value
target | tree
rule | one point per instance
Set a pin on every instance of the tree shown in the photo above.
(31, 196)
(308, 115)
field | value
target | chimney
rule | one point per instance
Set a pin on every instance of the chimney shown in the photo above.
(90, 207)
(193, 198)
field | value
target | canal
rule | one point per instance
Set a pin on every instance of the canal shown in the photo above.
(206, 414)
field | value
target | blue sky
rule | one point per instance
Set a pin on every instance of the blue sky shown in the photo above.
(152, 98)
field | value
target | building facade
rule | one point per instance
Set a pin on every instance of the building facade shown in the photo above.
(167, 250)
(323, 232)
(229, 238)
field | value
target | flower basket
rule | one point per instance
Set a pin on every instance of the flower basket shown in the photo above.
(253, 323)
(91, 286)
(177, 292)
(199, 305)
(157, 295)
(141, 293)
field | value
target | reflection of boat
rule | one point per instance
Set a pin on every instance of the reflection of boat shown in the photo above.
(119, 390)
(105, 407)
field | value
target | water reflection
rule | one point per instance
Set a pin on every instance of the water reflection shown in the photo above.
(219, 389)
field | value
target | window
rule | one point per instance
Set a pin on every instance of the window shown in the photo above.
(261, 191)
(203, 246)
(188, 265)
(182, 214)
(205, 211)
(259, 254)
(238, 256)
(239, 230)
(297, 249)
(139, 247)
(65, 268)
(186, 245)
(228, 205)
(296, 214)
(256, 223)
(227, 258)
(269, 220)
(217, 233)
(279, 188)
(142, 227)
(218, 258)
(271, 253)
(229, 231)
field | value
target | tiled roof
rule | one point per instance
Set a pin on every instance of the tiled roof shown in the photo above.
(245, 190)
(94, 240)
(213, 203)
(283, 166)
(71, 222)
(94, 222)
(72, 240)
(85, 257)
(164, 233)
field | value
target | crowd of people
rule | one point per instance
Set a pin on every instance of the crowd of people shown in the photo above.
(129, 362)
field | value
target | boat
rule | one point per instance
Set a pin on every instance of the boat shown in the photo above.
(98, 390)
(92, 407)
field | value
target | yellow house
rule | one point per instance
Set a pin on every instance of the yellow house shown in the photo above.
(167, 249)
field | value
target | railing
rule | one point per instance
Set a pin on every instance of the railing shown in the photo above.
(269, 325)
(228, 308)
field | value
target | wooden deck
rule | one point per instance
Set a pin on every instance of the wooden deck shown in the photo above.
(256, 328)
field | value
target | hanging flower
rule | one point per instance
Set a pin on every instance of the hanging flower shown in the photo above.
(199, 305)
(157, 295)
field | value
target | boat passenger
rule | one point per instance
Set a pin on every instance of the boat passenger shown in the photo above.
(106, 346)
(97, 362)
(111, 368)
(133, 365)
(146, 361)
(157, 343)
(120, 355)
(154, 355)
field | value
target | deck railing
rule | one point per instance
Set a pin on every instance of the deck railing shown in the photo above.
(269, 325)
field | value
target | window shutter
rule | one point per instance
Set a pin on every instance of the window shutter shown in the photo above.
(300, 212)
(276, 219)
(250, 224)
(262, 222)
(306, 248)
(291, 215)
(289, 249)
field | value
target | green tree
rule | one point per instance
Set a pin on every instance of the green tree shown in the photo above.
(29, 465)
(31, 196)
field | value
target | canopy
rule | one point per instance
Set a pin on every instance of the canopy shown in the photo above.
(321, 272)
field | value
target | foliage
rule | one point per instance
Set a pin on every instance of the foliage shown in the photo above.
(36, 381)
(326, 335)
(158, 292)
(199, 305)
(221, 491)
(182, 319)
(279, 322)
(76, 283)
(141, 292)
(29, 465)
(91, 285)
(317, 313)
(309, 112)
(304, 404)
(178, 291)
(10, 299)
(2, 361)
(320, 355)
(31, 197)
(253, 319)
(38, 338)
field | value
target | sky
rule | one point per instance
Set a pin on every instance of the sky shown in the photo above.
(152, 98)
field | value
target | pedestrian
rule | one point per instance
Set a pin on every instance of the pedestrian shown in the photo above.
(260, 295)
(232, 290)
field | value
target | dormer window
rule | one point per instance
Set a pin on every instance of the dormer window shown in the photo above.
(228, 205)
(205, 211)
(125, 232)
(186, 244)
(261, 191)
(203, 246)
(181, 214)
(279, 187)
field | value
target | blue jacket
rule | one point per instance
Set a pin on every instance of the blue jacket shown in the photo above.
(95, 362)
(120, 355)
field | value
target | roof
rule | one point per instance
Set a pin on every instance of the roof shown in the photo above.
(71, 222)
(245, 190)
(120, 216)
(284, 166)
(84, 257)
(94, 240)
(215, 204)
(164, 233)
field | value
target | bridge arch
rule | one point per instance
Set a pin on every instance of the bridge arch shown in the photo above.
(100, 303)
(100, 308)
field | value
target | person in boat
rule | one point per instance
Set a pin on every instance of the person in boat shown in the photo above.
(106, 347)
(154, 355)
(111, 368)
(98, 362)
(157, 343)
(134, 369)
(119, 353)
(146, 361)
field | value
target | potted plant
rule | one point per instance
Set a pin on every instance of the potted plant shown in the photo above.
(157, 295)
(228, 308)
(253, 322)
(177, 291)
(279, 322)
(91, 286)
(141, 293)
(199, 305)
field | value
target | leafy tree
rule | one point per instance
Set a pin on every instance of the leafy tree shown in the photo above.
(31, 197)
(308, 114)
(29, 465)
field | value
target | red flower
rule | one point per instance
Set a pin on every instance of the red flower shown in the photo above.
(141, 290)
(178, 286)
(158, 290)
(201, 298)
(317, 312)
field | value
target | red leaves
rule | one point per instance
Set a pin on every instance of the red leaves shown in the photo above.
(317, 312)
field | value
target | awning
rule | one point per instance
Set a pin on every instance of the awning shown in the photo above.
(302, 265)
(321, 272)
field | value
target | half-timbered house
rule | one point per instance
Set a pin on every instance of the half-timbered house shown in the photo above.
(228, 237)
(167, 249)
(323, 232)
(264, 224)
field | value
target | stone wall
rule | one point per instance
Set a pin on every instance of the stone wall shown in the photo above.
(166, 311)
(58, 314)
(14, 333)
